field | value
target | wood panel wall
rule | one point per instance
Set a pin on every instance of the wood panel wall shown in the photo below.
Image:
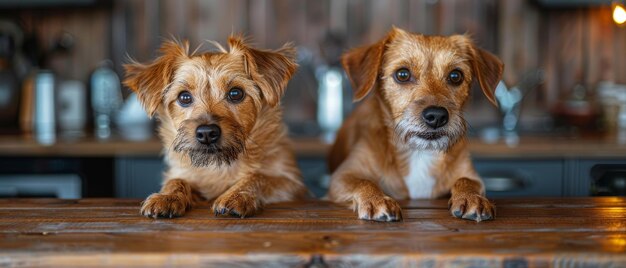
(274, 22)
(579, 45)
(91, 31)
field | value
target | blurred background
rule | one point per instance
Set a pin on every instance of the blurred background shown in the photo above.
(69, 129)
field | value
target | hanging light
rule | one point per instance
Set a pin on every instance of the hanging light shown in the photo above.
(619, 13)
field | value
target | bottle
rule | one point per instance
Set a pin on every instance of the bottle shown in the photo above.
(44, 120)
(106, 98)
(330, 102)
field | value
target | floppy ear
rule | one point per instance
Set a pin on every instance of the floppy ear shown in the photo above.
(149, 81)
(488, 69)
(362, 66)
(270, 69)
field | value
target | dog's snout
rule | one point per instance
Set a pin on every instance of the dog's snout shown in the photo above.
(208, 134)
(435, 116)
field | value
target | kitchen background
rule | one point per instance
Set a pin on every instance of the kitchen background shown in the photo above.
(69, 129)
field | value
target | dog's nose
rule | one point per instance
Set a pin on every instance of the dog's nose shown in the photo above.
(208, 134)
(435, 116)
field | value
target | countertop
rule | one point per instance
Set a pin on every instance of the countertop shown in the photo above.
(535, 147)
(573, 232)
(92, 147)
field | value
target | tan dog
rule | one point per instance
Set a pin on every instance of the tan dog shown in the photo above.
(221, 127)
(406, 140)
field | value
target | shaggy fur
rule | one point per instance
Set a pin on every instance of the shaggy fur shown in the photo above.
(252, 164)
(371, 157)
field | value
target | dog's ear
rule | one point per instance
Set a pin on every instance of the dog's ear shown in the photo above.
(150, 80)
(488, 69)
(270, 69)
(363, 64)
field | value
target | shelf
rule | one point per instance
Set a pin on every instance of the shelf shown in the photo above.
(529, 147)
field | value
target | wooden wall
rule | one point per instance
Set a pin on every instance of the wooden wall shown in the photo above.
(579, 45)
(90, 28)
(582, 46)
(274, 22)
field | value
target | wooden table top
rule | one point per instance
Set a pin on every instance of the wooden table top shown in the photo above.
(529, 147)
(110, 232)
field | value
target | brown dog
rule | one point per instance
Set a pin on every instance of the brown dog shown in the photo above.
(406, 140)
(221, 127)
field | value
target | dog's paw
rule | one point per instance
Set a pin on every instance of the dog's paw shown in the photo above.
(378, 208)
(237, 204)
(163, 205)
(472, 207)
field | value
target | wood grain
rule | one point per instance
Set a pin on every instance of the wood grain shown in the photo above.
(572, 45)
(110, 232)
(535, 147)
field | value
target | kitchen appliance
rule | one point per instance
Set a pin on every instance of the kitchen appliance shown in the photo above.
(37, 111)
(64, 186)
(608, 180)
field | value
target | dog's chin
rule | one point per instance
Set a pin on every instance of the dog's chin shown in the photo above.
(206, 156)
(417, 136)
(429, 141)
(209, 155)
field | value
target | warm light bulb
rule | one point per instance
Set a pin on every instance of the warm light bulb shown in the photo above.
(619, 14)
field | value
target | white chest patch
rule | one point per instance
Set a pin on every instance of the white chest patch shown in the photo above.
(419, 181)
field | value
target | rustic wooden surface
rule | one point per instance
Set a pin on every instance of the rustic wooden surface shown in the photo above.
(109, 232)
(537, 147)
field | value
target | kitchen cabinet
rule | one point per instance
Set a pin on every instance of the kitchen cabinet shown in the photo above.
(137, 177)
(521, 177)
(548, 167)
(605, 177)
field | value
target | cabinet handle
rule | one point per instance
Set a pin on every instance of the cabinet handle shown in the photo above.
(503, 184)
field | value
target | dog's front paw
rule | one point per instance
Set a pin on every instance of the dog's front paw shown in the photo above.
(378, 208)
(473, 207)
(238, 204)
(164, 205)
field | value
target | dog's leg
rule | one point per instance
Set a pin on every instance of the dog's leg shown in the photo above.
(467, 201)
(174, 199)
(368, 200)
(249, 194)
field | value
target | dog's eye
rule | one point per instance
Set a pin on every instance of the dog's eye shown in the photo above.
(455, 77)
(402, 75)
(185, 98)
(235, 95)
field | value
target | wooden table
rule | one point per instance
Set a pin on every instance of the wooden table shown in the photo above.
(110, 232)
